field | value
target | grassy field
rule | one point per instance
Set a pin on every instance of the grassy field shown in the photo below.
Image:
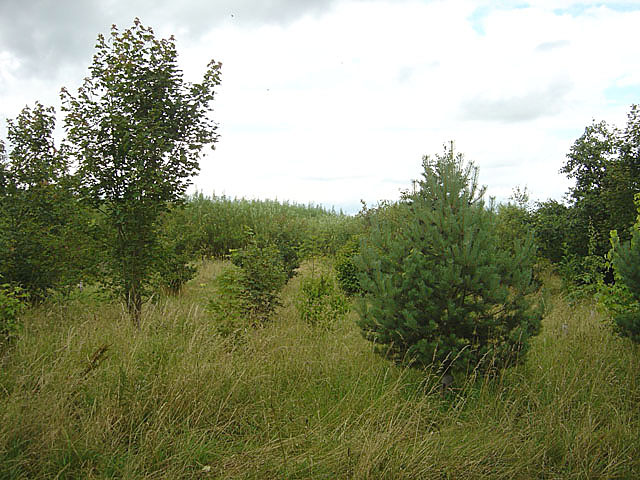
(85, 395)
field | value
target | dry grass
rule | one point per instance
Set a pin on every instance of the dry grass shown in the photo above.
(174, 400)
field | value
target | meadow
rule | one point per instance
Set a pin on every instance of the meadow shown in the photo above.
(84, 394)
(147, 334)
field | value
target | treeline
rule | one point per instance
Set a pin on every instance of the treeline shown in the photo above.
(51, 243)
(575, 234)
(213, 226)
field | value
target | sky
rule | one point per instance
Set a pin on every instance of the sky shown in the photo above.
(335, 101)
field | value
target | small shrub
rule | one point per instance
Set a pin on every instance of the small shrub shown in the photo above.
(583, 275)
(346, 271)
(173, 270)
(230, 307)
(287, 245)
(248, 290)
(176, 251)
(628, 323)
(263, 275)
(12, 302)
(319, 302)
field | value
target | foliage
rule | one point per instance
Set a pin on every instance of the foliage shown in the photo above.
(319, 302)
(286, 239)
(628, 322)
(43, 234)
(346, 270)
(173, 266)
(173, 269)
(263, 276)
(583, 275)
(12, 302)
(137, 130)
(551, 224)
(213, 226)
(514, 219)
(624, 308)
(230, 306)
(624, 297)
(605, 165)
(439, 288)
(248, 291)
(333, 231)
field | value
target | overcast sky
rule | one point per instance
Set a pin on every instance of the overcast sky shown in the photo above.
(333, 101)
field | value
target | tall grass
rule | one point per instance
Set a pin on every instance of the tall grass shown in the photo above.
(85, 395)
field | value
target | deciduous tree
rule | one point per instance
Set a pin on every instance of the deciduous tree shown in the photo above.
(40, 224)
(137, 130)
(605, 164)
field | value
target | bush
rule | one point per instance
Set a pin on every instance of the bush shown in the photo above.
(286, 242)
(583, 275)
(230, 307)
(552, 229)
(514, 219)
(263, 275)
(173, 270)
(248, 291)
(628, 323)
(346, 271)
(319, 302)
(12, 302)
(173, 263)
(439, 288)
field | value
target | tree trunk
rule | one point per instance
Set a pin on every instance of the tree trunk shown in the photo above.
(134, 303)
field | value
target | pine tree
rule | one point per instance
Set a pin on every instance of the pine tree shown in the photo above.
(439, 287)
(625, 258)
